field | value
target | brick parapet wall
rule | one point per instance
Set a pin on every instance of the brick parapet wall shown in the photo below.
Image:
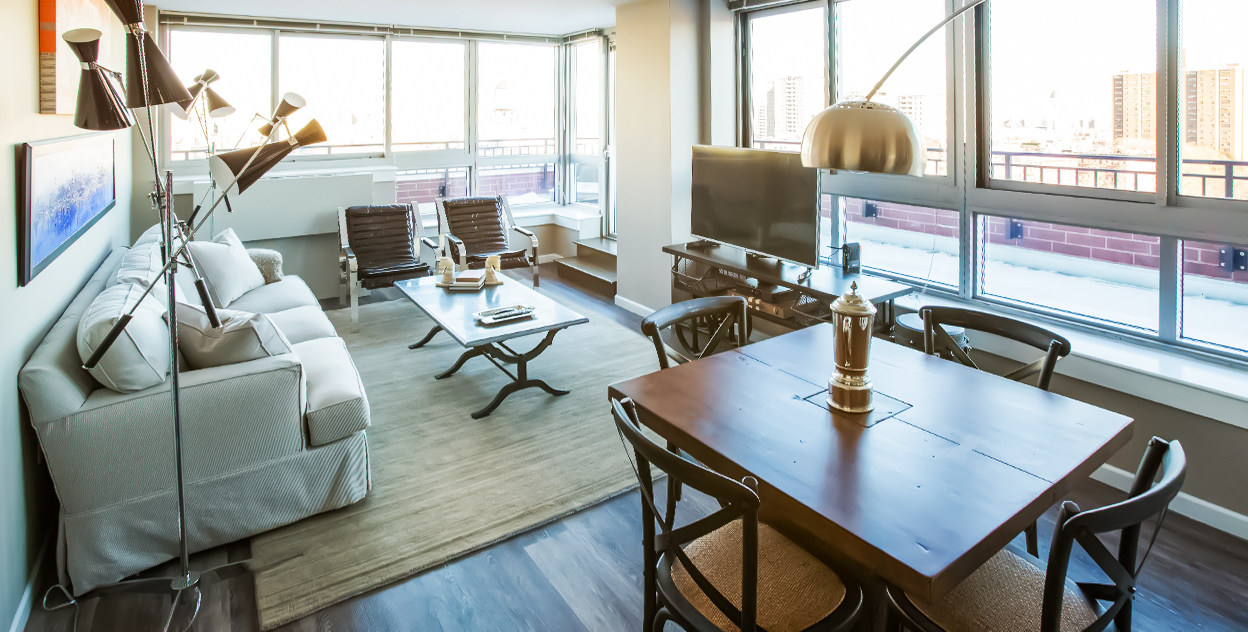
(423, 188)
(1090, 243)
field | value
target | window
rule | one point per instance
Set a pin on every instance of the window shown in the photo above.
(428, 100)
(523, 184)
(1105, 275)
(516, 96)
(422, 186)
(343, 80)
(873, 36)
(787, 74)
(1215, 294)
(588, 93)
(1212, 99)
(909, 241)
(1074, 100)
(244, 62)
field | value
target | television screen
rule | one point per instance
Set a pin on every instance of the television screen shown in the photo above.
(763, 201)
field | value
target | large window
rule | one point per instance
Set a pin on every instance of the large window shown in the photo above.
(429, 95)
(587, 116)
(516, 93)
(344, 82)
(1073, 93)
(1095, 153)
(873, 35)
(787, 74)
(243, 62)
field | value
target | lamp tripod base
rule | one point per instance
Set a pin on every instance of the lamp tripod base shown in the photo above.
(181, 589)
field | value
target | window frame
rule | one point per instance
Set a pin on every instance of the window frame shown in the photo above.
(1164, 214)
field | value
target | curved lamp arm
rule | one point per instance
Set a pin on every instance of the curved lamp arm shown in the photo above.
(920, 43)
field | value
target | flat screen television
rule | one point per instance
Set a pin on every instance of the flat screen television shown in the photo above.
(764, 202)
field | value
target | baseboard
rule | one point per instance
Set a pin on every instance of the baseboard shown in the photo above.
(28, 596)
(547, 258)
(1202, 511)
(633, 306)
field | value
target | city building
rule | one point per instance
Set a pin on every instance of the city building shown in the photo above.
(1212, 103)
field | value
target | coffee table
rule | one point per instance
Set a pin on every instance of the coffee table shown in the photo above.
(452, 312)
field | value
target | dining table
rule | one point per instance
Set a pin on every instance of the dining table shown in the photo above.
(948, 468)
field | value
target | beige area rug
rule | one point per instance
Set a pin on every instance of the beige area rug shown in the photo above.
(445, 484)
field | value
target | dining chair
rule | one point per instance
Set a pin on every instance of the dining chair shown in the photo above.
(712, 318)
(478, 227)
(378, 245)
(936, 340)
(726, 571)
(1019, 592)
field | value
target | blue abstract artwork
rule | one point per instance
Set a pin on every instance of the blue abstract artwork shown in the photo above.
(68, 186)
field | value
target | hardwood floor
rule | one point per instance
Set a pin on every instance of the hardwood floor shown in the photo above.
(584, 572)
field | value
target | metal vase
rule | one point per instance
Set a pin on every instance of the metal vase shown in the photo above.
(849, 389)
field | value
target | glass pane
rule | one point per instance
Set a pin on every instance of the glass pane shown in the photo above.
(523, 184)
(872, 36)
(1211, 99)
(422, 186)
(1102, 274)
(516, 92)
(1078, 110)
(427, 99)
(588, 98)
(1215, 294)
(343, 80)
(787, 75)
(912, 241)
(244, 62)
(587, 183)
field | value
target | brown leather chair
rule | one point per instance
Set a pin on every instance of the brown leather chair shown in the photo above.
(477, 228)
(380, 245)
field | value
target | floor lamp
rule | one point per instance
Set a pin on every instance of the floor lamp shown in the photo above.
(151, 81)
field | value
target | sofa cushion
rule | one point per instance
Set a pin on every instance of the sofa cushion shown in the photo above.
(141, 265)
(301, 324)
(152, 235)
(242, 337)
(288, 293)
(224, 263)
(140, 356)
(337, 405)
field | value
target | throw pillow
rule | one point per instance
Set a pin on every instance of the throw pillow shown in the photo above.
(242, 336)
(224, 264)
(139, 358)
(269, 262)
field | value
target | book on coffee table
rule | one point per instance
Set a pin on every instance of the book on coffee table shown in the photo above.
(468, 281)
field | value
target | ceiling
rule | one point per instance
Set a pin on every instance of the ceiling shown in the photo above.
(546, 17)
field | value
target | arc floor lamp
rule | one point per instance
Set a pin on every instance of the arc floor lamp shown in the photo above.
(150, 81)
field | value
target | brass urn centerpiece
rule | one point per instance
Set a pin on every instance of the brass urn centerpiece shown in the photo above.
(849, 389)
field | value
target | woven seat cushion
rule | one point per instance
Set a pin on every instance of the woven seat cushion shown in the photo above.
(478, 222)
(1004, 595)
(795, 590)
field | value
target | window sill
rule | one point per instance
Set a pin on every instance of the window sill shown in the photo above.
(1204, 388)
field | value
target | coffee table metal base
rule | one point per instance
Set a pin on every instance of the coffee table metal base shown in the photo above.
(500, 354)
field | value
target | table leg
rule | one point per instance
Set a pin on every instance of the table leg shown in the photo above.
(429, 336)
(497, 353)
(468, 355)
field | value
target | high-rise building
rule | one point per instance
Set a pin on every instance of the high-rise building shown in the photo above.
(1212, 102)
(769, 130)
(914, 106)
(792, 121)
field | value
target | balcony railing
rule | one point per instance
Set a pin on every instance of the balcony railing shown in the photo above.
(516, 147)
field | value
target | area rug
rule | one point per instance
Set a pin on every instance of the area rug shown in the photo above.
(445, 484)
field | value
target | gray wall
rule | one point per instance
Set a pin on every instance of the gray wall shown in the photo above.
(27, 500)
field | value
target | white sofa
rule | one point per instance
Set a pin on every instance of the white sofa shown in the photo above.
(266, 442)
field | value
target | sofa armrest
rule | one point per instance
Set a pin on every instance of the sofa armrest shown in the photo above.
(119, 446)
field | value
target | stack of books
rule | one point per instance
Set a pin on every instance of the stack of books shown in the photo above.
(468, 281)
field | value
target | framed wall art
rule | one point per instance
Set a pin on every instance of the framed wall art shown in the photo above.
(64, 187)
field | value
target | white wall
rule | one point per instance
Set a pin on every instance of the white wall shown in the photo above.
(27, 500)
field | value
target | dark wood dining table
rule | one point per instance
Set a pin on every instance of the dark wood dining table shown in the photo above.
(951, 465)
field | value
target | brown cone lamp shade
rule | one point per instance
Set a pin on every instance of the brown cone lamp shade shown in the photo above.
(99, 106)
(163, 85)
(290, 104)
(226, 167)
(217, 106)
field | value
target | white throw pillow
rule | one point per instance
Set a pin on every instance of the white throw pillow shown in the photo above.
(139, 358)
(242, 336)
(225, 265)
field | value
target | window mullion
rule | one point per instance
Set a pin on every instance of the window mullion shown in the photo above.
(275, 87)
(1170, 265)
(471, 114)
(387, 138)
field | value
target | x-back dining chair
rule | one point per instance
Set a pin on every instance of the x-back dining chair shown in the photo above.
(478, 227)
(717, 319)
(726, 570)
(1015, 592)
(1054, 346)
